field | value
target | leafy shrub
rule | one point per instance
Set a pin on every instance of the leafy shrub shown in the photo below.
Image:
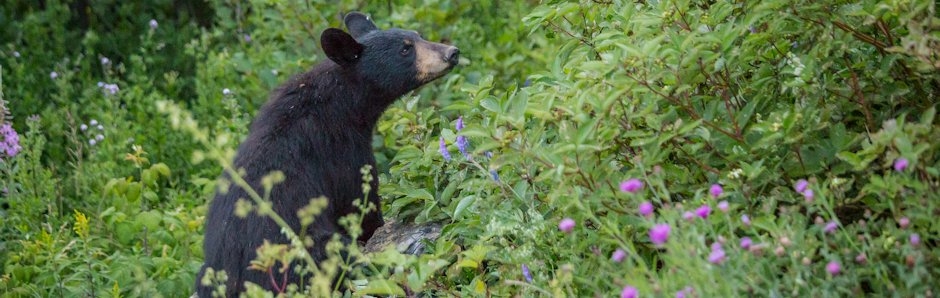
(686, 148)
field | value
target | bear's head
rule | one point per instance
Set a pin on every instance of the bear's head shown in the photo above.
(395, 60)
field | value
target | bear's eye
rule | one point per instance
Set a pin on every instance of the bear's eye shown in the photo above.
(406, 49)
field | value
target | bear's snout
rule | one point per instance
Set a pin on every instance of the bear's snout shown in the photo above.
(452, 55)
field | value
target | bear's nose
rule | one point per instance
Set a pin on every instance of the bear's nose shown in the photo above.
(452, 54)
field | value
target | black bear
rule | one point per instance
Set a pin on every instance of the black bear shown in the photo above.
(317, 129)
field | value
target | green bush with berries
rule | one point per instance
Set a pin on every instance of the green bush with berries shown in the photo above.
(581, 148)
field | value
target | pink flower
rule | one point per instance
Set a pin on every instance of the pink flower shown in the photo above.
(833, 268)
(659, 234)
(746, 220)
(632, 185)
(618, 256)
(715, 190)
(566, 225)
(646, 208)
(900, 164)
(861, 258)
(688, 215)
(831, 227)
(629, 292)
(915, 239)
(703, 211)
(746, 243)
(717, 255)
(801, 185)
(904, 222)
(809, 195)
(723, 206)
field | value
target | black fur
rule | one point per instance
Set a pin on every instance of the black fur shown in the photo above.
(317, 129)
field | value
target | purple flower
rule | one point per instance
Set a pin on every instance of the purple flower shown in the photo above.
(746, 242)
(915, 239)
(831, 227)
(83, 127)
(462, 146)
(904, 222)
(226, 91)
(618, 256)
(99, 137)
(801, 185)
(443, 149)
(247, 38)
(526, 273)
(488, 154)
(723, 206)
(688, 215)
(900, 164)
(684, 292)
(717, 255)
(746, 220)
(566, 225)
(861, 258)
(646, 208)
(494, 175)
(833, 268)
(459, 124)
(10, 143)
(659, 234)
(153, 24)
(93, 122)
(752, 29)
(629, 292)
(53, 75)
(809, 195)
(632, 185)
(105, 61)
(92, 142)
(110, 88)
(715, 190)
(703, 211)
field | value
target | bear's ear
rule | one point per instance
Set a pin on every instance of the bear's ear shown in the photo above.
(340, 47)
(359, 24)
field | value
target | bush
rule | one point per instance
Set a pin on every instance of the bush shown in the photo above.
(786, 147)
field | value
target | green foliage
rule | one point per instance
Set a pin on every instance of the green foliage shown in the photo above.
(560, 102)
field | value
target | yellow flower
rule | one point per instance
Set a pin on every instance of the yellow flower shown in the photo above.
(81, 224)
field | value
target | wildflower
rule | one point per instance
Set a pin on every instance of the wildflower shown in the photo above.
(746, 242)
(526, 273)
(99, 137)
(444, 151)
(831, 227)
(92, 142)
(779, 251)
(16, 54)
(632, 185)
(100, 84)
(688, 215)
(629, 292)
(703, 211)
(83, 127)
(801, 185)
(459, 124)
(915, 239)
(746, 220)
(93, 122)
(247, 38)
(566, 225)
(618, 256)
(717, 255)
(861, 258)
(900, 164)
(488, 154)
(684, 292)
(105, 61)
(100, 127)
(494, 175)
(226, 91)
(462, 146)
(153, 24)
(723, 206)
(53, 75)
(9, 140)
(752, 29)
(833, 268)
(904, 222)
(646, 208)
(809, 195)
(715, 190)
(111, 88)
(659, 234)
